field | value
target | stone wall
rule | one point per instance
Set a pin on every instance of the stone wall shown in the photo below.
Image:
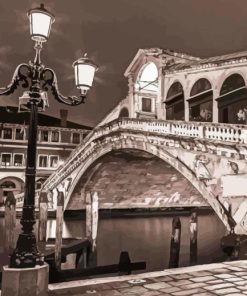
(136, 179)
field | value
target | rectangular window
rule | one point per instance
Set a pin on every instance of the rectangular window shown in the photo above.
(7, 133)
(75, 138)
(43, 161)
(146, 105)
(55, 136)
(19, 133)
(6, 159)
(44, 136)
(53, 161)
(18, 160)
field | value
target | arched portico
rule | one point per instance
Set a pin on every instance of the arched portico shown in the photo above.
(175, 102)
(201, 101)
(232, 102)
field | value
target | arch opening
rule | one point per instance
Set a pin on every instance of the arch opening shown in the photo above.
(134, 178)
(232, 103)
(11, 184)
(124, 112)
(148, 78)
(175, 102)
(201, 101)
(146, 88)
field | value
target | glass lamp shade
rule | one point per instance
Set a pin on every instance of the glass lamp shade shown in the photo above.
(40, 23)
(84, 73)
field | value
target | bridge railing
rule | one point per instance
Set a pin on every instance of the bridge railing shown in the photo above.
(204, 130)
(208, 131)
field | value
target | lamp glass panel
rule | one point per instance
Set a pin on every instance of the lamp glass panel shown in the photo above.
(76, 76)
(85, 75)
(40, 25)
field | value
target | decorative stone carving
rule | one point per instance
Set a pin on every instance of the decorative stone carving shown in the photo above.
(233, 166)
(201, 170)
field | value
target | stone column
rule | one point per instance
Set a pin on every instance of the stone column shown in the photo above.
(215, 110)
(160, 96)
(186, 106)
(131, 95)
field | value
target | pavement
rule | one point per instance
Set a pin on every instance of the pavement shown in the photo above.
(228, 279)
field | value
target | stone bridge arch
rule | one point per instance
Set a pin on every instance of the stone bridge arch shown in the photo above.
(124, 141)
(210, 156)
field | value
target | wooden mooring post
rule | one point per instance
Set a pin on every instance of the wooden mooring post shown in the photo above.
(1, 198)
(59, 230)
(92, 217)
(193, 238)
(95, 218)
(10, 221)
(175, 243)
(88, 206)
(43, 214)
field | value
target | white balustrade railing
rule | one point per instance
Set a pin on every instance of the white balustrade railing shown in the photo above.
(207, 131)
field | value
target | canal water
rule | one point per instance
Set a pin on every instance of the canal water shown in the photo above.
(145, 238)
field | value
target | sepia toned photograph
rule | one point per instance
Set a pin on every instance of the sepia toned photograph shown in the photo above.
(123, 147)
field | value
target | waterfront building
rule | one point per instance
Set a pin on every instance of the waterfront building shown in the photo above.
(57, 137)
(164, 84)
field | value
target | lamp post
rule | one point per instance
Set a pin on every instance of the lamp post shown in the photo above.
(38, 79)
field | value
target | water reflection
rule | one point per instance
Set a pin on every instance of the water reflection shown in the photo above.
(146, 239)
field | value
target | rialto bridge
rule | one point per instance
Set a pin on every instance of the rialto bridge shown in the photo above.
(187, 111)
(211, 156)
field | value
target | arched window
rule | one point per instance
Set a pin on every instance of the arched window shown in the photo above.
(235, 81)
(201, 101)
(8, 184)
(11, 184)
(200, 86)
(124, 113)
(232, 102)
(175, 102)
(148, 78)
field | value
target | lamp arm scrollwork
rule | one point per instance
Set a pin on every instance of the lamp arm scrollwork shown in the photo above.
(18, 77)
(49, 78)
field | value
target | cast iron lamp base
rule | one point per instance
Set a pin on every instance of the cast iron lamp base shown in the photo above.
(26, 254)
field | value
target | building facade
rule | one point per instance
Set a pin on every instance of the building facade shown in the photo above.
(167, 85)
(56, 139)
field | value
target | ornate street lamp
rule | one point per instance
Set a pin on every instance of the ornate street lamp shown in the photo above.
(84, 73)
(38, 80)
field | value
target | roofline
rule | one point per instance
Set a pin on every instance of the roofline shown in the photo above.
(158, 51)
(136, 57)
(42, 127)
(80, 126)
(204, 63)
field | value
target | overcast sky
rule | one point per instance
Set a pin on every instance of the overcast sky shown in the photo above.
(111, 32)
